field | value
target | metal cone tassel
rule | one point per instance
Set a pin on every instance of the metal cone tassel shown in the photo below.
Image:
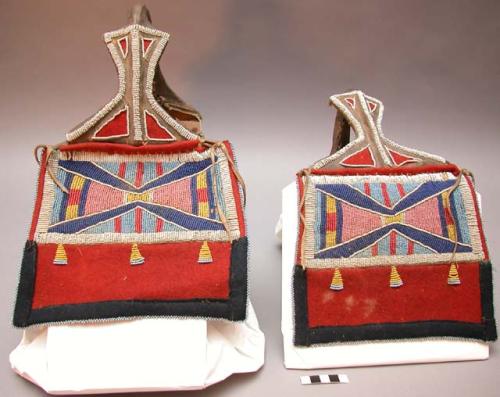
(205, 255)
(60, 257)
(135, 256)
(337, 284)
(453, 277)
(395, 279)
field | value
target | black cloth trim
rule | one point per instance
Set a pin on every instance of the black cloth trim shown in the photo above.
(26, 285)
(233, 309)
(306, 336)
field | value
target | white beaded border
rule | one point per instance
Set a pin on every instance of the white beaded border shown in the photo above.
(227, 192)
(48, 197)
(102, 156)
(376, 137)
(140, 238)
(97, 138)
(136, 87)
(308, 259)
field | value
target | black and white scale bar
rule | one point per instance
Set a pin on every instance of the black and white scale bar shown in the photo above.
(323, 379)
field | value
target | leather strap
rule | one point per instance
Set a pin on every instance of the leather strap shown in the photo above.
(139, 15)
(341, 132)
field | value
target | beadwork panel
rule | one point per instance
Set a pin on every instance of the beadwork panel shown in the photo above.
(380, 220)
(143, 199)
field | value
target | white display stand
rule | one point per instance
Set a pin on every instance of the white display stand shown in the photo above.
(359, 353)
(138, 355)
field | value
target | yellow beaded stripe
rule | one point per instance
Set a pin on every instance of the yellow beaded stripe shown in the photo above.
(201, 185)
(74, 196)
(146, 197)
(331, 232)
(398, 218)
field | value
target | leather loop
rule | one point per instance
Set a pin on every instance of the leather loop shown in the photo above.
(341, 132)
(139, 15)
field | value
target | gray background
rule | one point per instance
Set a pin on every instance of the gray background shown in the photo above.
(261, 72)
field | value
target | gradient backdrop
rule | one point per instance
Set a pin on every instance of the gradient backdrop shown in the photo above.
(261, 73)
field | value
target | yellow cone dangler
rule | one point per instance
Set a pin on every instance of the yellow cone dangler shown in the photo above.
(395, 279)
(337, 284)
(453, 277)
(135, 256)
(60, 258)
(205, 255)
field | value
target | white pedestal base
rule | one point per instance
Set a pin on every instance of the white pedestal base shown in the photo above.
(138, 355)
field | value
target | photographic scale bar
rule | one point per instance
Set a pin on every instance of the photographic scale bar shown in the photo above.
(323, 379)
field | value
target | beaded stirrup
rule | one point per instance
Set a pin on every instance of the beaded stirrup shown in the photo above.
(390, 243)
(136, 214)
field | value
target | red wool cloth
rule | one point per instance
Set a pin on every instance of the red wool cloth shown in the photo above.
(368, 299)
(98, 272)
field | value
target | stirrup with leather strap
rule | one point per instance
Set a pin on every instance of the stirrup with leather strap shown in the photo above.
(390, 242)
(136, 213)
